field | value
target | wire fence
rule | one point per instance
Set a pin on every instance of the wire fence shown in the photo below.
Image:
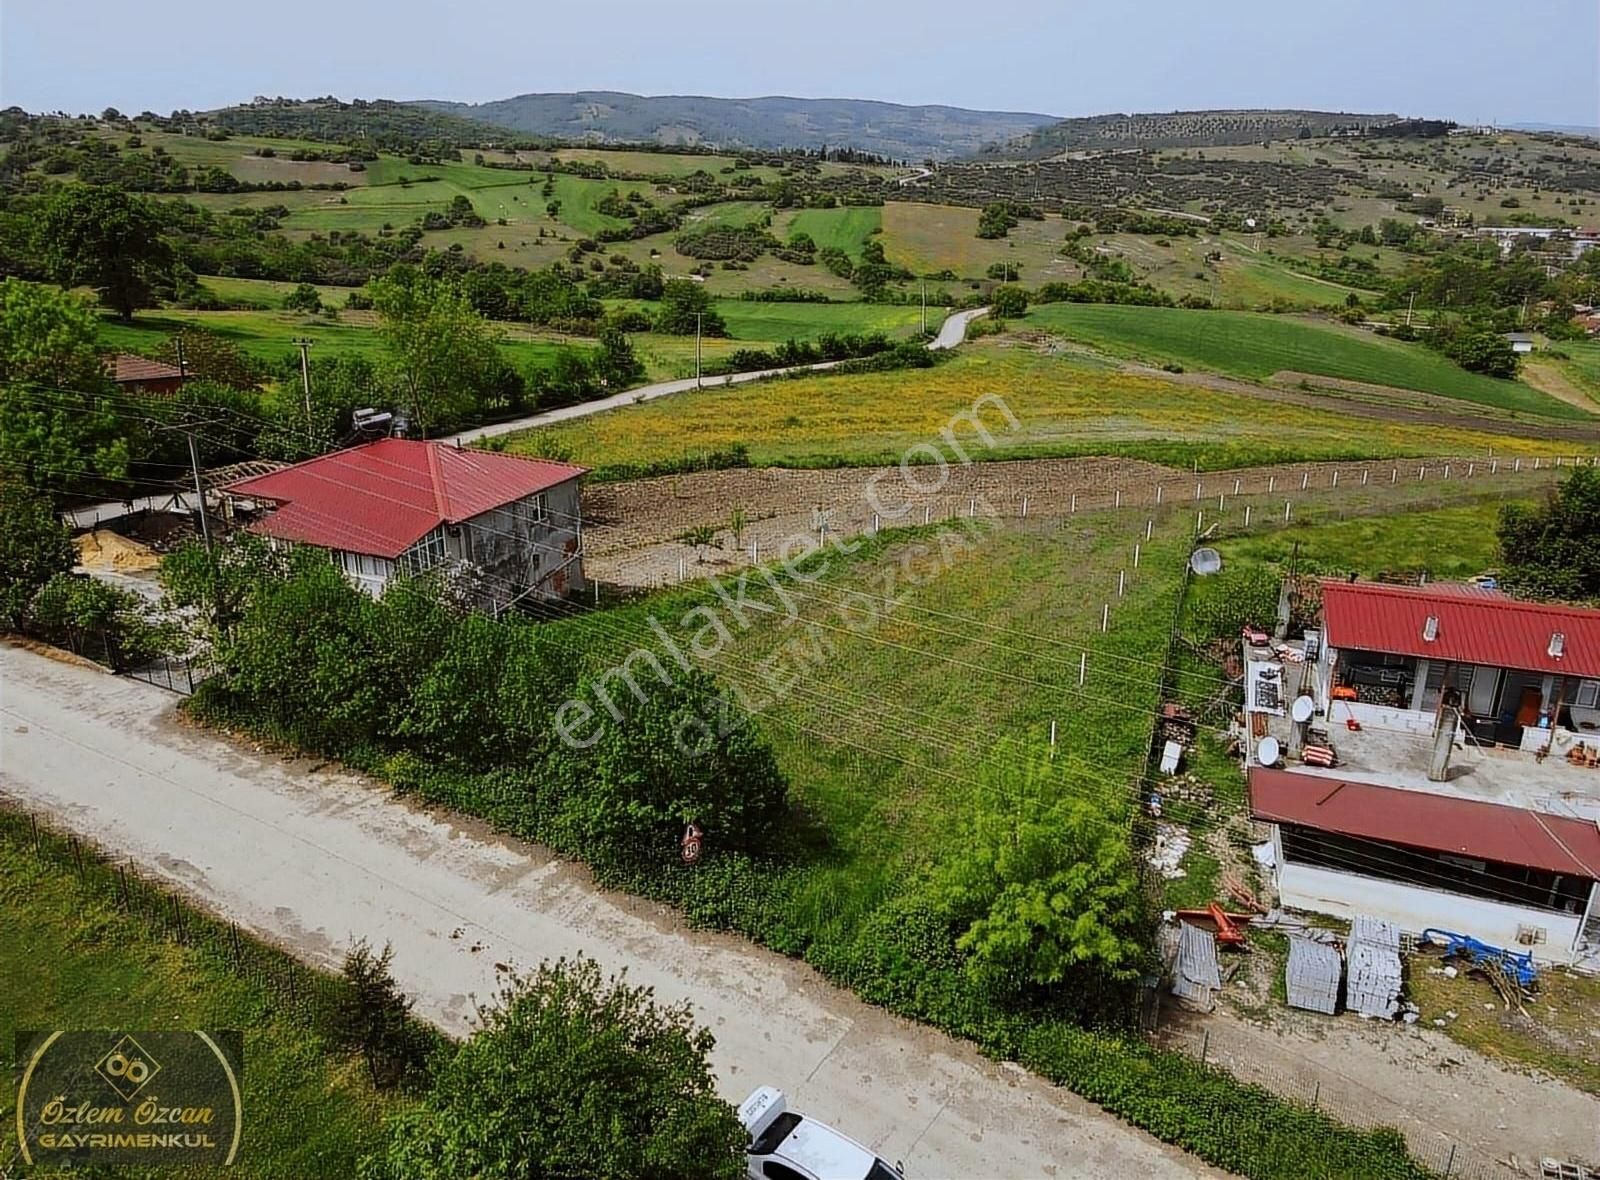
(179, 674)
(1344, 1098)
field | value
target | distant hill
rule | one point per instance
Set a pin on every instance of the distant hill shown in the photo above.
(381, 122)
(1176, 129)
(886, 128)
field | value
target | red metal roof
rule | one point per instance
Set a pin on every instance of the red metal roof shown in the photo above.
(1476, 626)
(1421, 819)
(382, 497)
(126, 368)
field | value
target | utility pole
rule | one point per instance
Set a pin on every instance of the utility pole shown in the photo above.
(924, 307)
(697, 384)
(304, 346)
(194, 466)
(1411, 302)
(177, 343)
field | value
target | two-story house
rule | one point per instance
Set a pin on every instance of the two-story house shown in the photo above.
(402, 506)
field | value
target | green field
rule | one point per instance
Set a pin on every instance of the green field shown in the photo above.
(71, 959)
(749, 319)
(889, 742)
(734, 214)
(1257, 345)
(1066, 405)
(268, 332)
(1449, 543)
(845, 229)
(268, 335)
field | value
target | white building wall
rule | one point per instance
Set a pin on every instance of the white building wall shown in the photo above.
(1344, 895)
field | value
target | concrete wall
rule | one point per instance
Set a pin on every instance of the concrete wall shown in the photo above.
(1344, 895)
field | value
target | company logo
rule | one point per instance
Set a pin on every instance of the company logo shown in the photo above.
(127, 1068)
(154, 1099)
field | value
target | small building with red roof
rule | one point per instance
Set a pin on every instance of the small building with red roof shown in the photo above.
(395, 507)
(1431, 755)
(140, 374)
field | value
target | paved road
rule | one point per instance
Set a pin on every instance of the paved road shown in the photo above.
(312, 860)
(951, 333)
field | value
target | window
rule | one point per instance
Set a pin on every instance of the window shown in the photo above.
(773, 1170)
(1588, 693)
(425, 554)
(775, 1134)
(882, 1171)
(531, 511)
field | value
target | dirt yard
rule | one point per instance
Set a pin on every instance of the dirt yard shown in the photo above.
(636, 530)
(1503, 1117)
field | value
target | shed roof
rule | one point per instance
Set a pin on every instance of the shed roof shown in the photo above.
(1422, 819)
(127, 369)
(381, 497)
(1476, 626)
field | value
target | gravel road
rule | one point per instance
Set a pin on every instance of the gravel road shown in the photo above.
(312, 860)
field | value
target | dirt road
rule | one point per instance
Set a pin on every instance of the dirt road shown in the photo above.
(313, 860)
(1415, 1078)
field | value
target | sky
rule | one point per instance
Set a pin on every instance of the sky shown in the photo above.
(1463, 59)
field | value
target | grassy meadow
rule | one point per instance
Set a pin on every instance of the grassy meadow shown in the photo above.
(889, 740)
(1449, 543)
(265, 330)
(1067, 406)
(846, 228)
(70, 959)
(1256, 345)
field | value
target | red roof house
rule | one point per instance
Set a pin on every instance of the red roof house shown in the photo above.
(1435, 822)
(401, 506)
(1473, 626)
(138, 374)
(383, 497)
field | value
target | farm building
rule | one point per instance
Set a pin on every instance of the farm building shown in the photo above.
(137, 374)
(401, 506)
(1444, 768)
(1521, 342)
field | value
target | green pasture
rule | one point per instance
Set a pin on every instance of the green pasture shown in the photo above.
(1256, 345)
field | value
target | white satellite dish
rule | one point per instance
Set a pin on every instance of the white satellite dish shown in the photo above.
(1267, 751)
(1302, 708)
(1205, 561)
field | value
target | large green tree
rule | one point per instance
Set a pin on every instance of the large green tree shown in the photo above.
(60, 427)
(443, 358)
(1047, 892)
(651, 766)
(101, 237)
(571, 1075)
(682, 301)
(1552, 550)
(35, 546)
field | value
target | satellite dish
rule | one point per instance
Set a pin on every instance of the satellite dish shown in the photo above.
(1205, 561)
(1267, 751)
(1302, 708)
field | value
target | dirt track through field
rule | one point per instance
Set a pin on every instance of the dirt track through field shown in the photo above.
(1549, 379)
(635, 529)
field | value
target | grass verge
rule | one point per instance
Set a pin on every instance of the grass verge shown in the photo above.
(73, 955)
